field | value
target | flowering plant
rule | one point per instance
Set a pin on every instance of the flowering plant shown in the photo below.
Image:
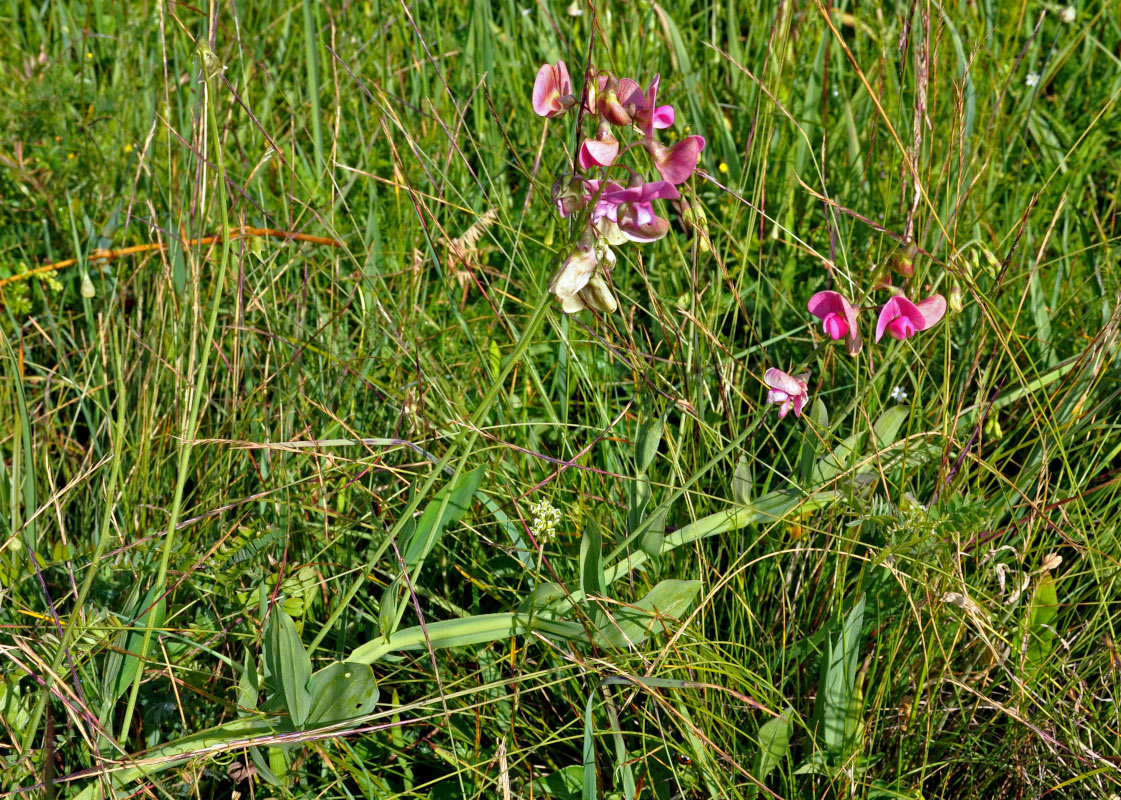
(613, 209)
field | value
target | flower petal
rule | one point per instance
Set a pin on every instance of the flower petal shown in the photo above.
(655, 190)
(547, 90)
(899, 306)
(663, 117)
(598, 153)
(676, 164)
(932, 309)
(777, 379)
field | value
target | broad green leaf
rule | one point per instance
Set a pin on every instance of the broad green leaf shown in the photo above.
(646, 442)
(441, 511)
(630, 625)
(288, 664)
(247, 689)
(640, 495)
(837, 461)
(341, 691)
(654, 537)
(838, 706)
(263, 769)
(774, 743)
(564, 784)
(742, 481)
(125, 660)
(591, 561)
(478, 629)
(819, 414)
(886, 429)
(1042, 616)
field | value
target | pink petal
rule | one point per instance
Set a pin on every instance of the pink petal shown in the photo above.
(835, 326)
(630, 93)
(798, 401)
(597, 153)
(655, 190)
(824, 303)
(894, 308)
(641, 227)
(565, 82)
(663, 117)
(677, 164)
(932, 309)
(777, 379)
(546, 92)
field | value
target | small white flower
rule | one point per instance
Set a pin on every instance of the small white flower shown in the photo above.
(899, 394)
(545, 519)
(574, 9)
(1068, 14)
(525, 11)
(1032, 79)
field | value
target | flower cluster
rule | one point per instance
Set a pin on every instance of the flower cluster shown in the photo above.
(545, 519)
(899, 318)
(614, 210)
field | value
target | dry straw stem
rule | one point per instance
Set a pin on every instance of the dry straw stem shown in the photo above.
(98, 256)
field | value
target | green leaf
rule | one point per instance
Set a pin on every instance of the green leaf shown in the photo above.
(774, 743)
(640, 497)
(125, 660)
(838, 706)
(742, 480)
(591, 561)
(589, 751)
(247, 689)
(630, 625)
(287, 663)
(646, 442)
(654, 537)
(1043, 614)
(564, 784)
(886, 429)
(342, 691)
(442, 510)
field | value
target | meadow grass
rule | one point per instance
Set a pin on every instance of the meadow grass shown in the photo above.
(316, 492)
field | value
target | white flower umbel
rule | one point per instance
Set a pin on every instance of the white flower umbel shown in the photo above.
(899, 394)
(1068, 14)
(1032, 79)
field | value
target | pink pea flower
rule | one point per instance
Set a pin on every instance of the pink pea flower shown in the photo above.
(600, 151)
(552, 91)
(786, 391)
(634, 213)
(902, 319)
(649, 116)
(838, 319)
(676, 164)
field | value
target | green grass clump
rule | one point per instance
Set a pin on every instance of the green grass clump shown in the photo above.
(314, 491)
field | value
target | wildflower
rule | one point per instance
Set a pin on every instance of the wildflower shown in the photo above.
(632, 210)
(723, 168)
(902, 319)
(649, 116)
(899, 394)
(786, 391)
(1068, 14)
(552, 91)
(838, 319)
(576, 273)
(574, 9)
(675, 164)
(1032, 79)
(600, 151)
(568, 194)
(545, 520)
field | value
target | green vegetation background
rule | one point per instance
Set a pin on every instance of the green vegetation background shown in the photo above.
(227, 466)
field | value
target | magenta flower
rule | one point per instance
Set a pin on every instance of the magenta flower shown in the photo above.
(902, 319)
(632, 210)
(786, 391)
(648, 115)
(600, 151)
(676, 164)
(838, 319)
(552, 91)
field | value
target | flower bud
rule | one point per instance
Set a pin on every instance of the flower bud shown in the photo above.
(567, 195)
(955, 298)
(903, 262)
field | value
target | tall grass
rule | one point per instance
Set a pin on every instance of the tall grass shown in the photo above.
(312, 415)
